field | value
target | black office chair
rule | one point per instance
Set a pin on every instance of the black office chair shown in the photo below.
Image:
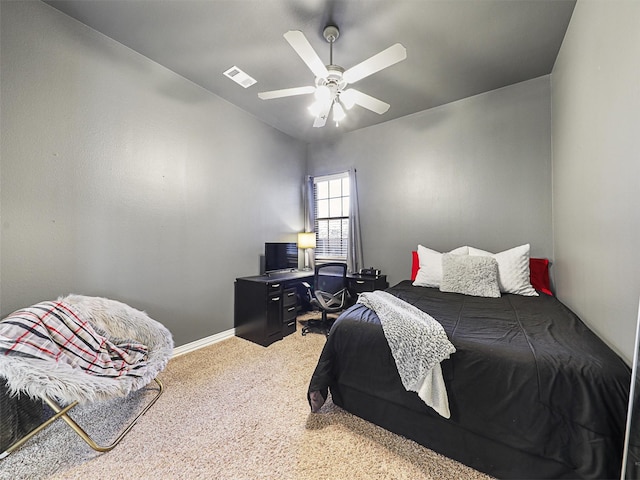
(330, 295)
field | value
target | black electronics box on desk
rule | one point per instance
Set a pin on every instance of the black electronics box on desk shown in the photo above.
(370, 272)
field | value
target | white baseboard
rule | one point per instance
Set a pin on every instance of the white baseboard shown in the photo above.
(203, 342)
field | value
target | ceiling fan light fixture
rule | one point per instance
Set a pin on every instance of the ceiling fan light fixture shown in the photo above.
(338, 112)
(315, 108)
(322, 93)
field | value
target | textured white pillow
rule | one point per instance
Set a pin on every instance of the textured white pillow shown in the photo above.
(430, 271)
(513, 269)
(470, 275)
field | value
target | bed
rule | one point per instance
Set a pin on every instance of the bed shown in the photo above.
(532, 391)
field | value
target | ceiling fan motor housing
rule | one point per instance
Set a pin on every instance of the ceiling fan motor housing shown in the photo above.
(334, 80)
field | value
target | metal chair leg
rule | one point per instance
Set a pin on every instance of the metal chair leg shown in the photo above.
(39, 428)
(62, 413)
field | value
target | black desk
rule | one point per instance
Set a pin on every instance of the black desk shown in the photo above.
(266, 306)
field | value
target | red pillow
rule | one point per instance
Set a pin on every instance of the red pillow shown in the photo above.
(415, 265)
(538, 268)
(539, 271)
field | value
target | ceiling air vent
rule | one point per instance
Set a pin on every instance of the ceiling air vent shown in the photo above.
(238, 76)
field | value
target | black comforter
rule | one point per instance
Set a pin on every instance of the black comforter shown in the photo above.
(530, 386)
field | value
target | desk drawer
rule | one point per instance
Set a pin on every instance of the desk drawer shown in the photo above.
(362, 285)
(289, 312)
(358, 284)
(289, 297)
(289, 327)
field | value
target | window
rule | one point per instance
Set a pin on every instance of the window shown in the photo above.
(331, 197)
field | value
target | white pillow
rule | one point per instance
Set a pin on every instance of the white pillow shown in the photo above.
(513, 269)
(430, 271)
(470, 275)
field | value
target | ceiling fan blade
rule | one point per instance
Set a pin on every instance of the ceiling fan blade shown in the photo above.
(384, 59)
(320, 122)
(286, 92)
(321, 119)
(306, 52)
(367, 101)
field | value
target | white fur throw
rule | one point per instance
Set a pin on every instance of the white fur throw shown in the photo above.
(469, 275)
(117, 322)
(418, 344)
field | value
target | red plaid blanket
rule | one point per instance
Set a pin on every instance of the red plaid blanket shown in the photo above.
(54, 331)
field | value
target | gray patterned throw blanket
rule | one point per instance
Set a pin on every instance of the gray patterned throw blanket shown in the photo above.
(418, 344)
(57, 333)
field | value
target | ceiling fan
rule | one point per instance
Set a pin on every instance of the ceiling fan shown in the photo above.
(330, 89)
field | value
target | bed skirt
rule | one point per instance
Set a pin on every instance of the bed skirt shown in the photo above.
(482, 454)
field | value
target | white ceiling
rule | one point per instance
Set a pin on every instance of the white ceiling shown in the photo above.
(455, 48)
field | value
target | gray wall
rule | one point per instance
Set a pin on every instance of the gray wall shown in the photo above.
(473, 172)
(121, 179)
(596, 168)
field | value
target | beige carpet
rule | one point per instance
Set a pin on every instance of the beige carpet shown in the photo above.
(234, 410)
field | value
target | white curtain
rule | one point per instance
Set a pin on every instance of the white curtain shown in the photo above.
(309, 218)
(354, 247)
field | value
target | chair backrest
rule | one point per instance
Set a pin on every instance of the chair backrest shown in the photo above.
(330, 277)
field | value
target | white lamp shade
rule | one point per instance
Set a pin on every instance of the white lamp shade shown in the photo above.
(306, 240)
(322, 94)
(338, 112)
(315, 108)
